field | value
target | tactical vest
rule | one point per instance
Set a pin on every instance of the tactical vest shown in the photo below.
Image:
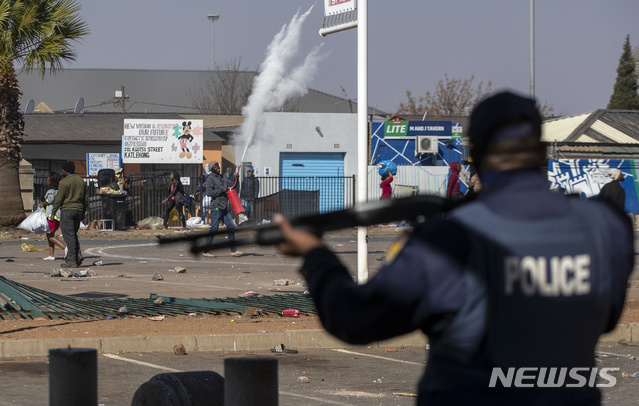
(546, 282)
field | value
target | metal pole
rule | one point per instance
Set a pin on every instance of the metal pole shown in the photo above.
(73, 377)
(532, 48)
(250, 381)
(362, 134)
(213, 18)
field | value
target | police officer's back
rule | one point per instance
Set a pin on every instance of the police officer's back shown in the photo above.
(513, 288)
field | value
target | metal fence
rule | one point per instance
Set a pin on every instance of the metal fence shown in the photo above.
(292, 196)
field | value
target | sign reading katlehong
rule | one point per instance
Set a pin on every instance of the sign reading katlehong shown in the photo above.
(162, 141)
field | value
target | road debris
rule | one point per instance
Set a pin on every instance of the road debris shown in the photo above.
(179, 349)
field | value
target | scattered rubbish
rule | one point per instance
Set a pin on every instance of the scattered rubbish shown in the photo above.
(391, 349)
(624, 375)
(98, 263)
(65, 273)
(179, 349)
(151, 222)
(144, 262)
(291, 313)
(281, 282)
(9, 260)
(157, 318)
(157, 277)
(54, 273)
(158, 300)
(178, 269)
(302, 379)
(378, 380)
(412, 395)
(280, 349)
(250, 293)
(636, 374)
(123, 310)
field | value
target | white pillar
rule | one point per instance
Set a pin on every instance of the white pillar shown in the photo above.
(362, 134)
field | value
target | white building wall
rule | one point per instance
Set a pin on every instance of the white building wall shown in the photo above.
(301, 132)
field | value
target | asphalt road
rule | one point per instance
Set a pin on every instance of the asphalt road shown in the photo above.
(362, 376)
(358, 376)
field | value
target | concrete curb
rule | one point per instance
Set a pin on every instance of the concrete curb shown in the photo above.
(194, 343)
(298, 339)
(628, 332)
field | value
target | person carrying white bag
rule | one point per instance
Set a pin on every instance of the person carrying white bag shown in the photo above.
(36, 222)
(53, 219)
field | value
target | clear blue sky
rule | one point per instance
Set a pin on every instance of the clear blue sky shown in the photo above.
(412, 43)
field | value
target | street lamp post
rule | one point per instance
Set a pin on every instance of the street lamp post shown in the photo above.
(213, 18)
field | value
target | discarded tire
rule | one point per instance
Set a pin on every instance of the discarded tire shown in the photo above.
(197, 388)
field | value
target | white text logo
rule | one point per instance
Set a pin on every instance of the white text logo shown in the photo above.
(552, 377)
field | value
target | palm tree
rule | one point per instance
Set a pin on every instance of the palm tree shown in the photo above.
(35, 34)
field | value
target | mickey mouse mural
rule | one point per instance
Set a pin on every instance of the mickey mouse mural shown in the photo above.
(185, 140)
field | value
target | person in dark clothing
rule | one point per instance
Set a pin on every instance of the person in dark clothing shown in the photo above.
(216, 188)
(72, 201)
(176, 199)
(249, 191)
(519, 281)
(612, 192)
(452, 191)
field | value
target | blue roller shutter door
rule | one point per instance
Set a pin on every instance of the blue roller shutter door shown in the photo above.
(323, 172)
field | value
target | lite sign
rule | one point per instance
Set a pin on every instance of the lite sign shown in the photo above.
(162, 141)
(404, 128)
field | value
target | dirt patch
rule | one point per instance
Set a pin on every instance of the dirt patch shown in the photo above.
(143, 326)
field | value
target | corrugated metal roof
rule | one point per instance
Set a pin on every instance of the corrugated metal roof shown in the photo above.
(559, 129)
(612, 133)
(149, 91)
(601, 126)
(96, 127)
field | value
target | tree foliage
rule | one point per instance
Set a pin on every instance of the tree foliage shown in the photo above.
(452, 97)
(625, 96)
(225, 91)
(37, 35)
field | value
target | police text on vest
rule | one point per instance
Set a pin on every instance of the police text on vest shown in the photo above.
(559, 276)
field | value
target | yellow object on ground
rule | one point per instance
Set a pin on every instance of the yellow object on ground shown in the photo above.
(30, 248)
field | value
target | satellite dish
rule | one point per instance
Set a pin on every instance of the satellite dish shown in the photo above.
(79, 106)
(30, 107)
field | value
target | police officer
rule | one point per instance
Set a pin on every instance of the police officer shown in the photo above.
(512, 288)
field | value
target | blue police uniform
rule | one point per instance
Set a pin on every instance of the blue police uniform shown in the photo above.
(521, 277)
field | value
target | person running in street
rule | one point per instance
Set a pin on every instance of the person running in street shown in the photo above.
(216, 188)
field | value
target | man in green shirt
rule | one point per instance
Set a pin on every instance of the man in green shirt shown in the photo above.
(72, 201)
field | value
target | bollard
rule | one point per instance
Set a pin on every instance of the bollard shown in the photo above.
(250, 382)
(198, 388)
(73, 377)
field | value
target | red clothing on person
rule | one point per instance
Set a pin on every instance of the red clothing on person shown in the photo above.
(387, 190)
(453, 181)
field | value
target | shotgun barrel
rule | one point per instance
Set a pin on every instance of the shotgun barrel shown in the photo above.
(366, 214)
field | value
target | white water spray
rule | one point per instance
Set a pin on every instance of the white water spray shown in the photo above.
(276, 82)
